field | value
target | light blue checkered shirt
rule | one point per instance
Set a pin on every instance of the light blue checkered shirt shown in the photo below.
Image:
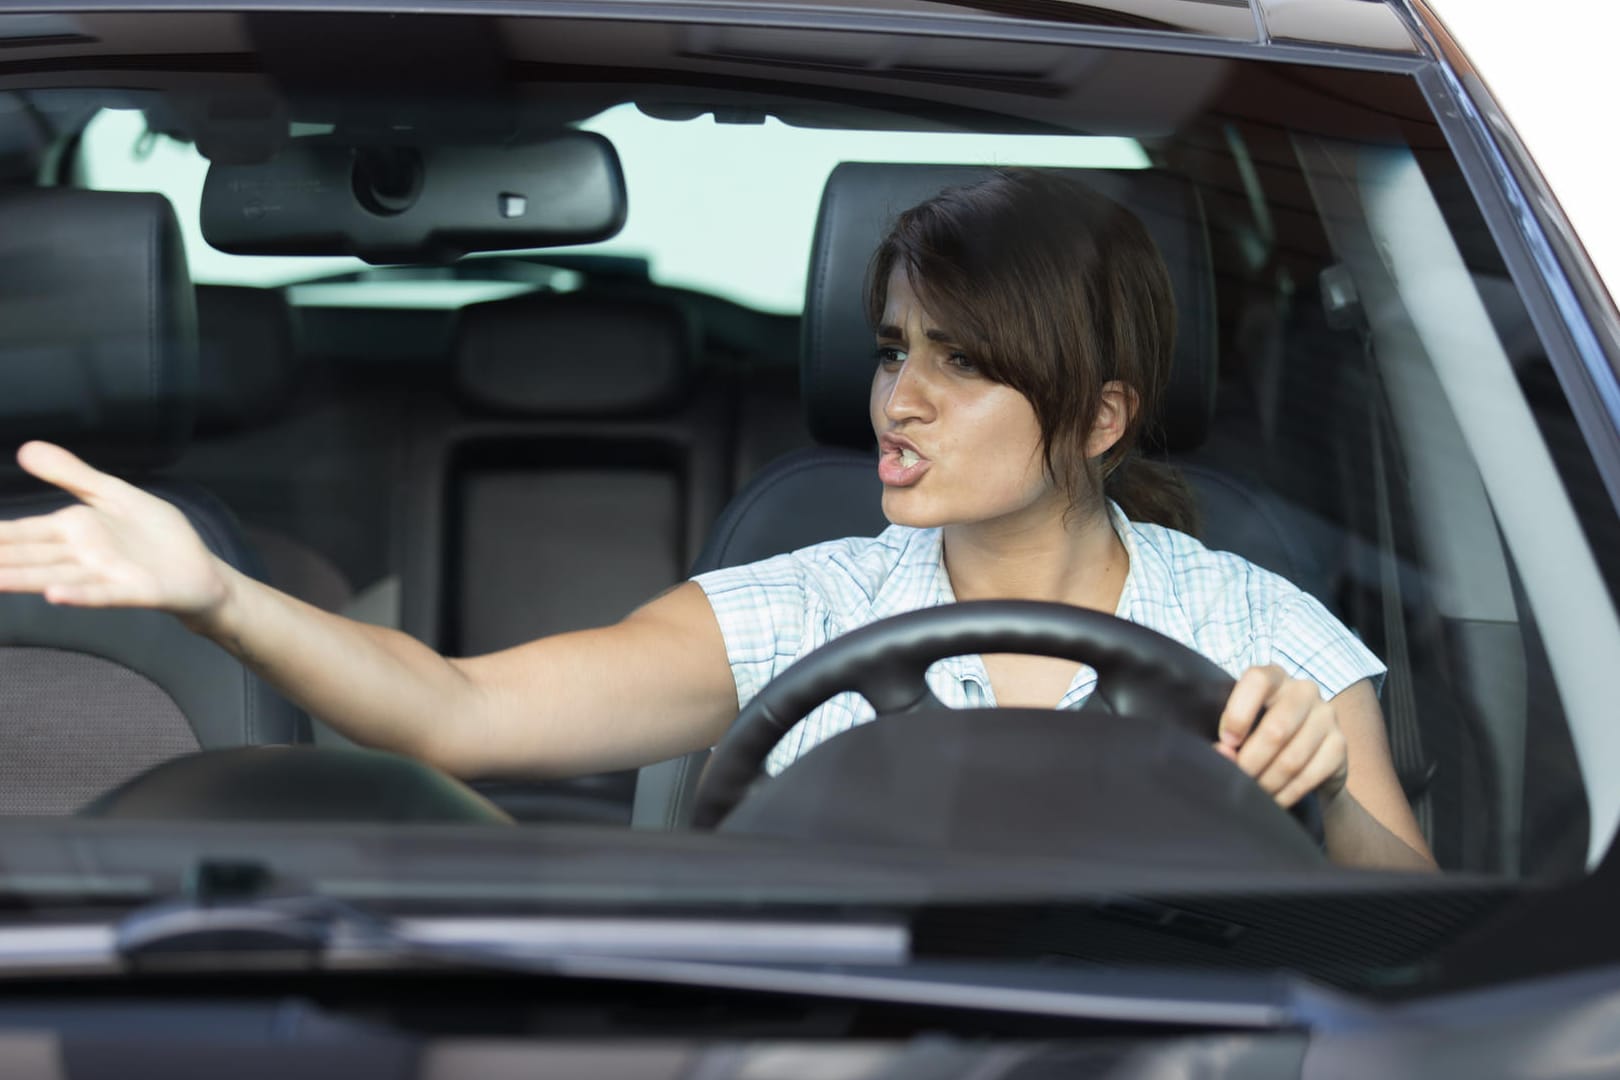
(777, 610)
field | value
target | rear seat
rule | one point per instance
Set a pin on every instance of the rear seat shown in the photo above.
(561, 467)
(574, 477)
(303, 437)
(247, 447)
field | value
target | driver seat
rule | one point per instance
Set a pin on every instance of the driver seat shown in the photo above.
(831, 490)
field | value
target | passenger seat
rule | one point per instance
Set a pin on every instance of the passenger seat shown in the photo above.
(97, 352)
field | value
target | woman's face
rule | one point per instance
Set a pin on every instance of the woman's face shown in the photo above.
(953, 446)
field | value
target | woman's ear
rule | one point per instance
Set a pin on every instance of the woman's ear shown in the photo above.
(1118, 405)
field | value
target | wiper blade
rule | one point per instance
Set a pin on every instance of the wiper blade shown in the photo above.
(228, 920)
(315, 931)
(229, 908)
(229, 916)
(296, 931)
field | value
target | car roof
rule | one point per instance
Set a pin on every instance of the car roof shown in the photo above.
(1374, 25)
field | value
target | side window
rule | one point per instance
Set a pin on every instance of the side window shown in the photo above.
(1554, 825)
(1472, 551)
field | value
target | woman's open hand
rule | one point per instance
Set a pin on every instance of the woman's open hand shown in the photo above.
(119, 547)
(1281, 732)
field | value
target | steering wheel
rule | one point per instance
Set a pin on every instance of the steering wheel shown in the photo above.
(1141, 674)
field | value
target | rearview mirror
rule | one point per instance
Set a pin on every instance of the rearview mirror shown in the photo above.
(393, 204)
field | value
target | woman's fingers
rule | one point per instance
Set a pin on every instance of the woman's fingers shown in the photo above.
(1244, 703)
(1326, 770)
(1284, 715)
(77, 584)
(1296, 754)
(54, 465)
(29, 530)
(1263, 712)
(1281, 732)
(92, 594)
(33, 554)
(41, 578)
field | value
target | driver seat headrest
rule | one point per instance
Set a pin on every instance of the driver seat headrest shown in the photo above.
(574, 354)
(860, 203)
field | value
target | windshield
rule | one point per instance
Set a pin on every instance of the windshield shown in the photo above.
(754, 253)
(539, 522)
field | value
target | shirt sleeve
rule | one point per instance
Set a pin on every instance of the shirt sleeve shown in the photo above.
(762, 609)
(1309, 643)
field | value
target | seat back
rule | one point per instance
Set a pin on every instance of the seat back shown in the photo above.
(97, 352)
(832, 490)
(573, 479)
(249, 448)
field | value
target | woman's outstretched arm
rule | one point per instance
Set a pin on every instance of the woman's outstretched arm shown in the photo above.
(654, 685)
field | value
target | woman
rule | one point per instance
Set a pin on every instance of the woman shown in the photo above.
(1024, 328)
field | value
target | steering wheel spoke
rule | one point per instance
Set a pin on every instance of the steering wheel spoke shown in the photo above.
(898, 691)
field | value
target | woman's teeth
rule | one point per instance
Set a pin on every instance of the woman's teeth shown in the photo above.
(908, 458)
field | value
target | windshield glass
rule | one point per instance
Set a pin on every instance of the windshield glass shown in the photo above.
(753, 253)
(1218, 358)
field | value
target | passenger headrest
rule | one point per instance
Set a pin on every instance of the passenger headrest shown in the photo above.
(570, 354)
(247, 368)
(97, 325)
(860, 203)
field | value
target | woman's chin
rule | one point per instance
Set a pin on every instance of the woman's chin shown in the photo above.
(902, 507)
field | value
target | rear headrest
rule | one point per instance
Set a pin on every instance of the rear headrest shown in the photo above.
(860, 203)
(247, 368)
(549, 354)
(97, 325)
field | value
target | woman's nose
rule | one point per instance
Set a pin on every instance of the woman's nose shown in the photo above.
(908, 395)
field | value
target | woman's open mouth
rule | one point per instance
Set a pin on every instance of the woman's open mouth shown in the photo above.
(900, 465)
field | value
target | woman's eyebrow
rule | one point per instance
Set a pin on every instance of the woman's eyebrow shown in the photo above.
(889, 330)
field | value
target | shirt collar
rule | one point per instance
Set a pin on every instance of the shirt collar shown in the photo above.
(917, 579)
(924, 548)
(1134, 569)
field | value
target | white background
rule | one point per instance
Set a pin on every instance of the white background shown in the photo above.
(1554, 67)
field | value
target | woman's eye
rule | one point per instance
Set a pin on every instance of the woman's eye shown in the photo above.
(961, 362)
(888, 356)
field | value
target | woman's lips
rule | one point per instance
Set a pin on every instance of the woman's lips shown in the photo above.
(901, 466)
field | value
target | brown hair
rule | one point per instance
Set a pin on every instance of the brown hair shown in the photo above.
(1053, 290)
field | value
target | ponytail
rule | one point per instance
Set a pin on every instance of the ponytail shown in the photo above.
(1153, 492)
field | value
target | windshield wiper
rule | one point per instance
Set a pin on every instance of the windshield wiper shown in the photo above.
(236, 913)
(231, 918)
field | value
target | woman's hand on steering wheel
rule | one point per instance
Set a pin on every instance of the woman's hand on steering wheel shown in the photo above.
(1281, 732)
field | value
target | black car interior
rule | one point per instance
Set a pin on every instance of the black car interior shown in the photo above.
(544, 462)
